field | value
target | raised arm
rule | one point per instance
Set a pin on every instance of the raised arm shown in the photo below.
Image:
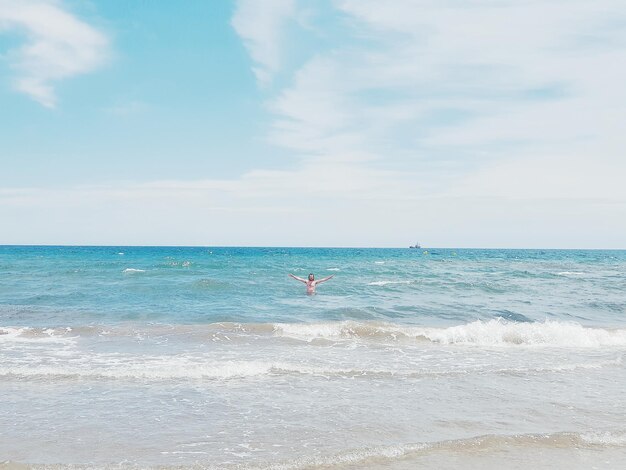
(325, 279)
(297, 278)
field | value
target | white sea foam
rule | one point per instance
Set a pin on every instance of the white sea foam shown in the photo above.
(310, 331)
(352, 457)
(165, 368)
(377, 455)
(10, 333)
(481, 333)
(438, 370)
(559, 367)
(548, 333)
(134, 270)
(33, 335)
(607, 438)
(497, 332)
(151, 368)
(333, 269)
(384, 283)
(194, 368)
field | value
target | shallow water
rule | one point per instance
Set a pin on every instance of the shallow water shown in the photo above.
(213, 357)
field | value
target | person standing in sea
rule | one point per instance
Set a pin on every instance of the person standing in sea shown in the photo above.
(311, 283)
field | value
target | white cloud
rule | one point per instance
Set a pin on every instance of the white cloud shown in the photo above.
(484, 124)
(57, 46)
(509, 111)
(260, 24)
(465, 84)
(485, 62)
(324, 206)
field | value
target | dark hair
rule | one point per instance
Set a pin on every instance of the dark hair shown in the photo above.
(311, 274)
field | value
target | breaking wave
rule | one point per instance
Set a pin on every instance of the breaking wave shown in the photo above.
(380, 455)
(491, 333)
(385, 283)
(159, 368)
(481, 333)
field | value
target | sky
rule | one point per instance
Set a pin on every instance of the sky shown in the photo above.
(476, 123)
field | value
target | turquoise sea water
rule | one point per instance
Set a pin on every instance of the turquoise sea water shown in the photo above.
(44, 286)
(166, 356)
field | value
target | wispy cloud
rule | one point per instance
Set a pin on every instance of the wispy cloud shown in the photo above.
(461, 123)
(424, 72)
(286, 208)
(261, 26)
(480, 103)
(453, 86)
(58, 45)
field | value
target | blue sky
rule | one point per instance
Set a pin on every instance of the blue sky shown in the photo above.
(341, 123)
(173, 97)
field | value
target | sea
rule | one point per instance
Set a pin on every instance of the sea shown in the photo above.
(213, 357)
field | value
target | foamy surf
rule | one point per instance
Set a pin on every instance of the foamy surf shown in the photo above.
(516, 451)
(385, 283)
(133, 270)
(141, 368)
(480, 333)
(491, 333)
(35, 335)
(159, 368)
(385, 455)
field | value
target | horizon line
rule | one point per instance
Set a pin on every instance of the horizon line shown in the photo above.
(52, 245)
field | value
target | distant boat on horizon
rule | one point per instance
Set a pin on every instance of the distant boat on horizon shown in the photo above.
(417, 245)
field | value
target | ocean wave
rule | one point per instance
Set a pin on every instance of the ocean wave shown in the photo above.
(133, 270)
(571, 273)
(43, 335)
(547, 333)
(380, 455)
(492, 333)
(157, 331)
(384, 283)
(166, 368)
(437, 371)
(497, 332)
(159, 368)
(604, 438)
(148, 368)
(174, 264)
